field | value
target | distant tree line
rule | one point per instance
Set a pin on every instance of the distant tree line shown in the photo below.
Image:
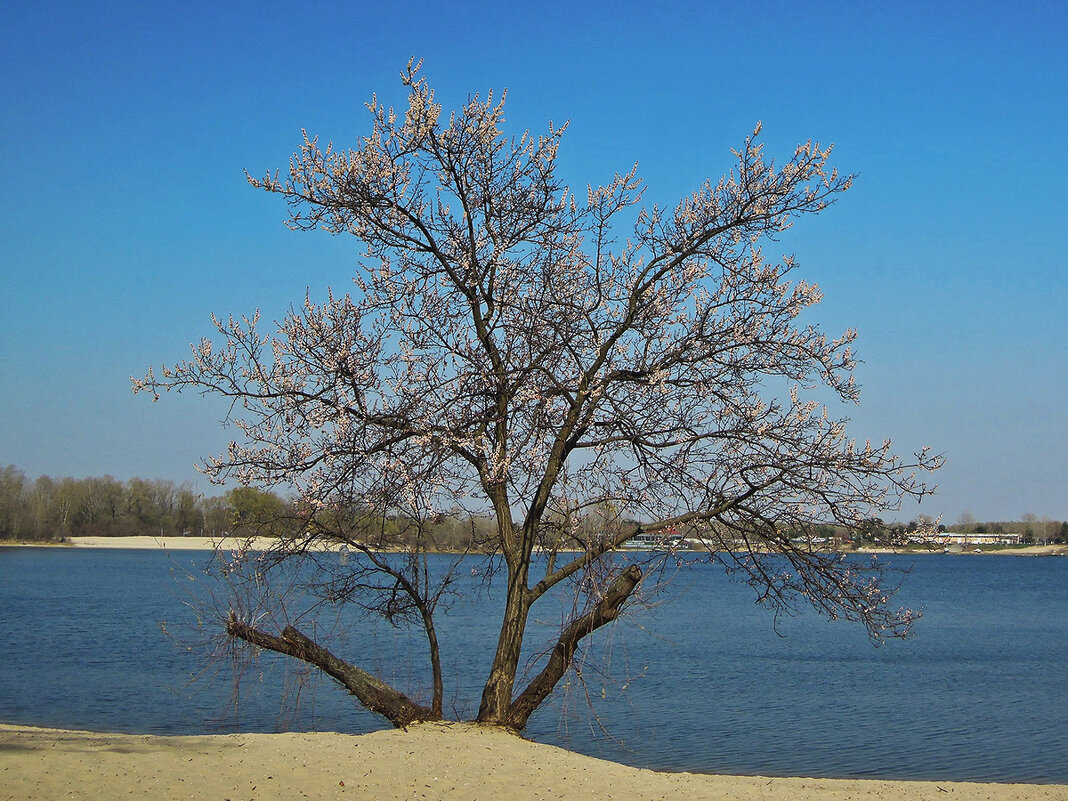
(47, 509)
(51, 509)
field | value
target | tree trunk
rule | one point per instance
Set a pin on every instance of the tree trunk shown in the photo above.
(435, 661)
(497, 694)
(372, 692)
(604, 611)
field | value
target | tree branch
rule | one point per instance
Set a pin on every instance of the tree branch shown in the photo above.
(372, 692)
(604, 611)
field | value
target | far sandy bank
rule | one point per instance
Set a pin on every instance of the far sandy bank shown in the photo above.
(172, 543)
(262, 543)
(430, 761)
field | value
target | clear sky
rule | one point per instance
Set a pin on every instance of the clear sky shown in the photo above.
(126, 219)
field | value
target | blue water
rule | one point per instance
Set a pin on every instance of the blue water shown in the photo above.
(703, 682)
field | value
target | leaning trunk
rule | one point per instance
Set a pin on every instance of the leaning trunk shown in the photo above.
(372, 692)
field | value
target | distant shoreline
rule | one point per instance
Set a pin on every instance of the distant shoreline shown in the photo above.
(1022, 550)
(163, 543)
(177, 543)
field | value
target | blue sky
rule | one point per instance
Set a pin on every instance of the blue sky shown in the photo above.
(126, 218)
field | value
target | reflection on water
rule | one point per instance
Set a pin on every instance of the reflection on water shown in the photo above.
(702, 683)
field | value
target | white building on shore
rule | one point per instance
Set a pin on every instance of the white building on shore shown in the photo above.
(969, 538)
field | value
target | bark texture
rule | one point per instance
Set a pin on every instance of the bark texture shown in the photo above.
(372, 692)
(497, 692)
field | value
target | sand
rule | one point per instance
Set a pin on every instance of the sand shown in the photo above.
(430, 761)
(170, 543)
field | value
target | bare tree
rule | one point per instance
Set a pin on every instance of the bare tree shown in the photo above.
(503, 350)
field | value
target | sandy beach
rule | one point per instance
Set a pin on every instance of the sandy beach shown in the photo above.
(429, 761)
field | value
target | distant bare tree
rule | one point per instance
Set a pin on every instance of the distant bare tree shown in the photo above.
(505, 350)
(1030, 523)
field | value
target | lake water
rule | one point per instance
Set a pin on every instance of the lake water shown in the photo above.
(702, 682)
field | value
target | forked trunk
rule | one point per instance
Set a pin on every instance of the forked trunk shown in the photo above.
(497, 704)
(604, 611)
